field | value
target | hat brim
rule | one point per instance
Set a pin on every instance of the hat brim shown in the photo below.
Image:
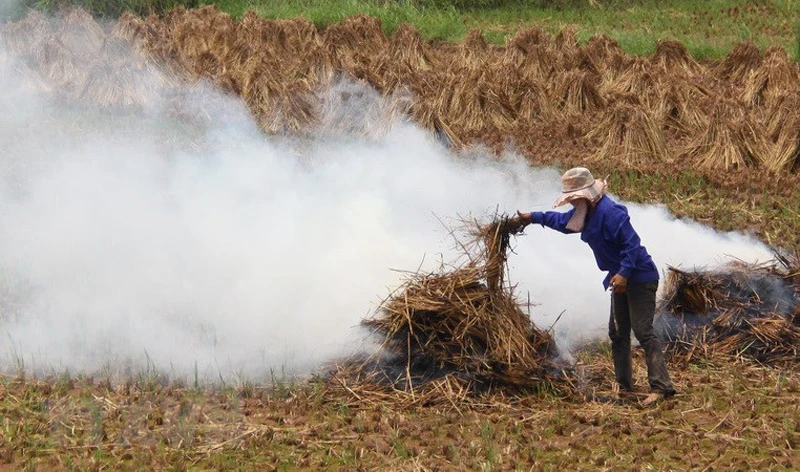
(591, 193)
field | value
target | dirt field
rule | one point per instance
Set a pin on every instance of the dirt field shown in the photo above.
(726, 416)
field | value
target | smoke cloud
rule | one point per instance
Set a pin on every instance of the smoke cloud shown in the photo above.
(6, 7)
(153, 239)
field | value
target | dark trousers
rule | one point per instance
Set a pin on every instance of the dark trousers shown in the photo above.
(635, 309)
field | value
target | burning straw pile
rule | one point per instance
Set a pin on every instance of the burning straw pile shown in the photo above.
(464, 326)
(744, 310)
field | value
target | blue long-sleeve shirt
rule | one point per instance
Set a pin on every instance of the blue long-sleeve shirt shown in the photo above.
(608, 231)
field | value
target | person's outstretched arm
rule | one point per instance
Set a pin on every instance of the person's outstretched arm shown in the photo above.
(551, 219)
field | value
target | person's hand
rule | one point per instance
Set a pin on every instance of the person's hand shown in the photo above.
(518, 222)
(619, 284)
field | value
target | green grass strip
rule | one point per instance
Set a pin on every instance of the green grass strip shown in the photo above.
(709, 29)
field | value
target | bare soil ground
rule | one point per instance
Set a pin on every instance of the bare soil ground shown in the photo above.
(727, 415)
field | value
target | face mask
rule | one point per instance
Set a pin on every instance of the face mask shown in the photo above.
(578, 218)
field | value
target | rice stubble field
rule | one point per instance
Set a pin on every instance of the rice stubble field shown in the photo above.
(714, 140)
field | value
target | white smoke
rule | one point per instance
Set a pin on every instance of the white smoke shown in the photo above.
(129, 239)
(6, 7)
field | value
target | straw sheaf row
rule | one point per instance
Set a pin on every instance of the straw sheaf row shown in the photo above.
(76, 60)
(545, 94)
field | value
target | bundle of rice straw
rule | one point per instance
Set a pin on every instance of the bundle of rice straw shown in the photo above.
(730, 139)
(500, 96)
(535, 103)
(742, 310)
(673, 58)
(530, 51)
(576, 91)
(631, 135)
(566, 44)
(24, 36)
(607, 55)
(408, 50)
(355, 40)
(80, 34)
(119, 87)
(776, 74)
(739, 63)
(473, 52)
(57, 64)
(464, 324)
(349, 108)
(459, 101)
(637, 77)
(683, 107)
(781, 124)
(291, 108)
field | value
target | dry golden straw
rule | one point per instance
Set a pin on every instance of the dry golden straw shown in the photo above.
(549, 96)
(466, 322)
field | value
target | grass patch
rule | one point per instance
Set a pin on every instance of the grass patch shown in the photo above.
(797, 41)
(436, 22)
(708, 29)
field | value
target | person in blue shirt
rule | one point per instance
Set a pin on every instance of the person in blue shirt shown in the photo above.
(632, 276)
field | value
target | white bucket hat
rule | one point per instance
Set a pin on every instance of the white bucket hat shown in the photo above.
(578, 183)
